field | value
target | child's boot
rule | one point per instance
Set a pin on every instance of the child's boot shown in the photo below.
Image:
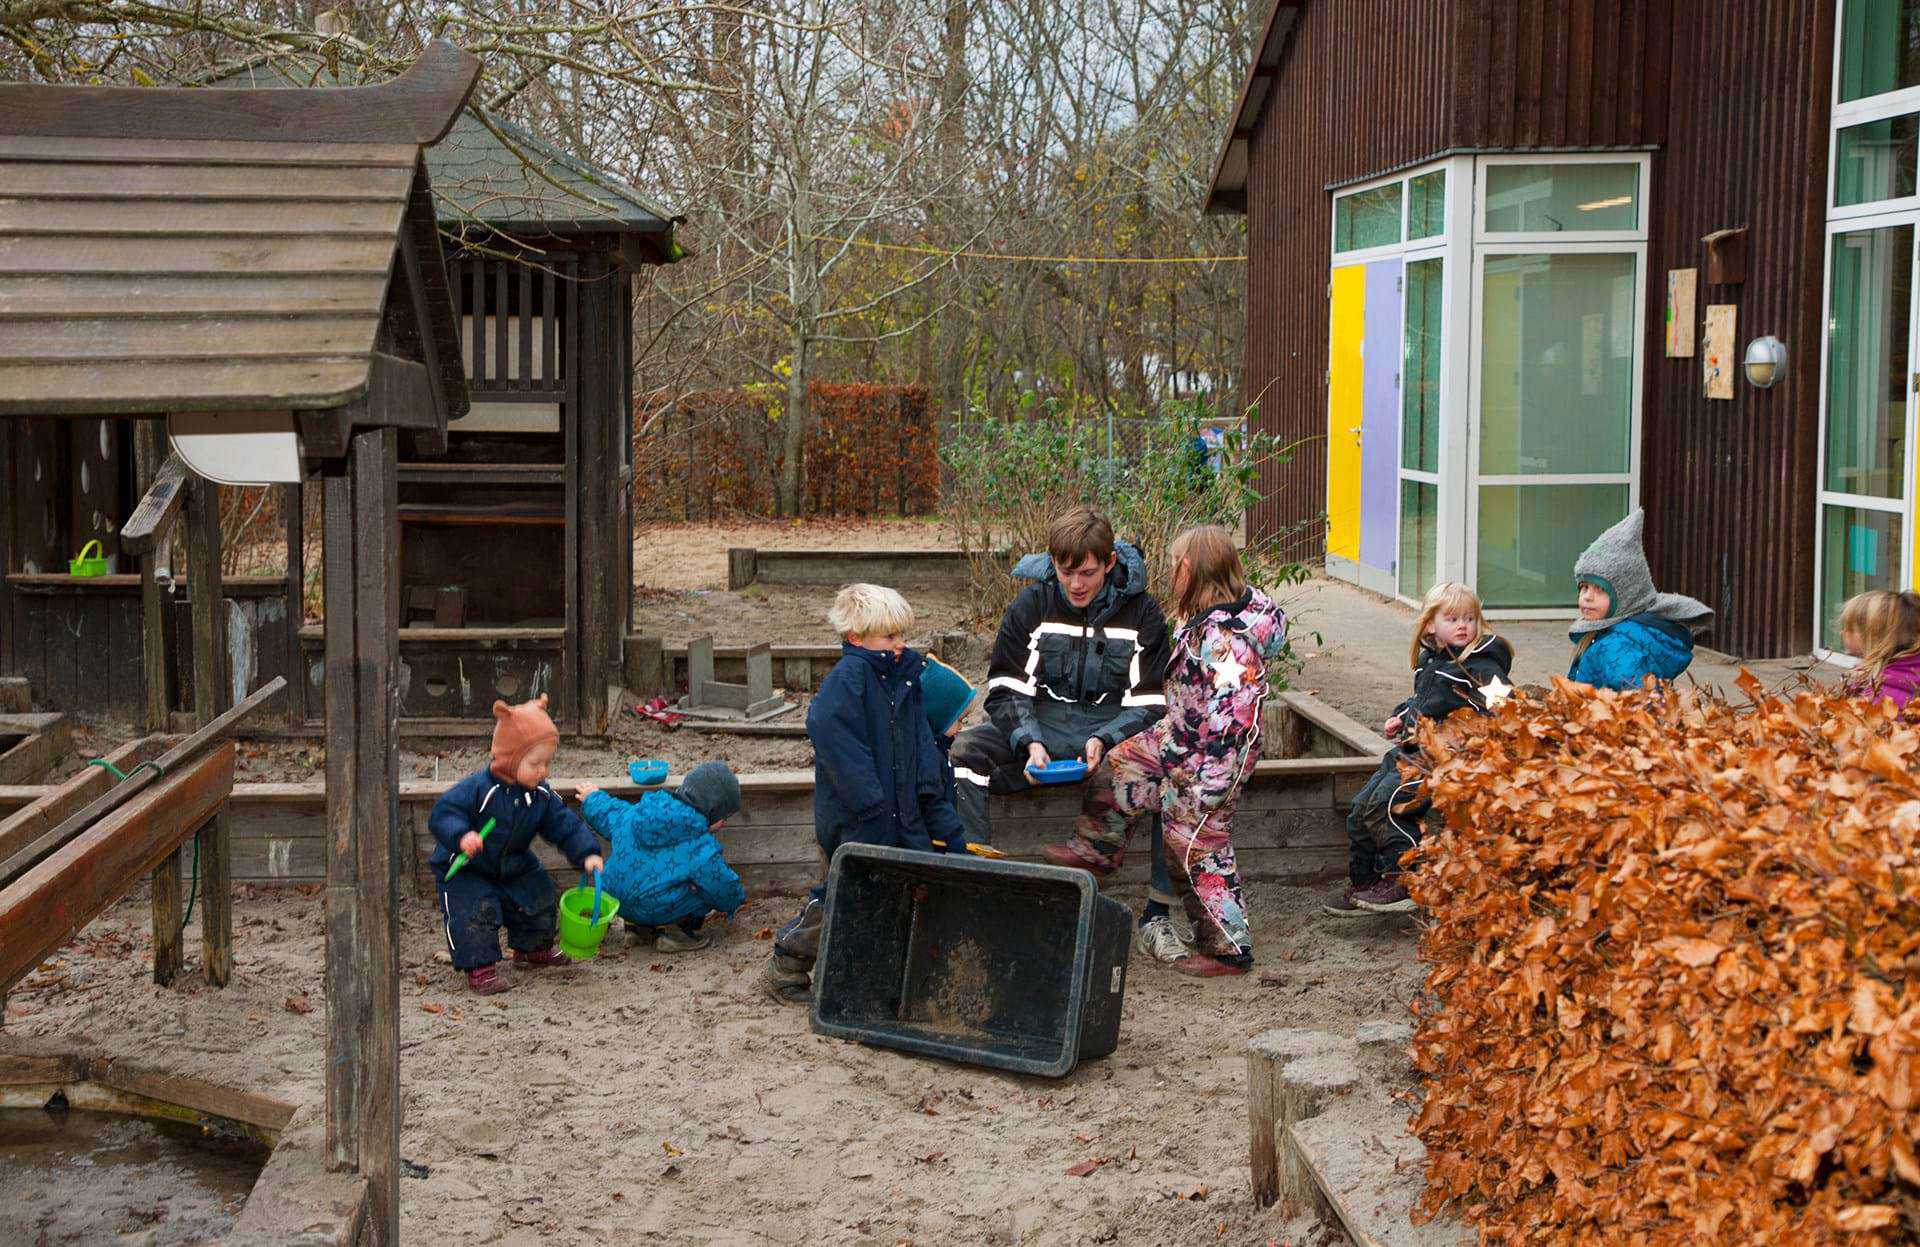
(488, 981)
(788, 980)
(677, 937)
(548, 956)
(1388, 896)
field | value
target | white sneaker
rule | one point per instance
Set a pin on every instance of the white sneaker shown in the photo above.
(1157, 938)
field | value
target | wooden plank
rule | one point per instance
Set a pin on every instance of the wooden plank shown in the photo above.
(22, 1070)
(197, 152)
(159, 502)
(16, 695)
(27, 760)
(191, 253)
(242, 186)
(140, 337)
(208, 383)
(120, 793)
(190, 216)
(212, 1099)
(481, 474)
(61, 801)
(419, 106)
(297, 1199)
(45, 907)
(23, 297)
(10, 501)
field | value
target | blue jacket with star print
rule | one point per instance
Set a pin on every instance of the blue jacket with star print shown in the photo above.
(519, 815)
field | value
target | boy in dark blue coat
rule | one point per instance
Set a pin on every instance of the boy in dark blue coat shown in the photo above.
(880, 775)
(664, 867)
(502, 883)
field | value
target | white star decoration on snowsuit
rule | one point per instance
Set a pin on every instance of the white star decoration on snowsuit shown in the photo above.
(1495, 691)
(1227, 672)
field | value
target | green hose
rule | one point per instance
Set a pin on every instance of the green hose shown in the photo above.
(121, 777)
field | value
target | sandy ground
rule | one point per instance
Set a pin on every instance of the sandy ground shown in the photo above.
(650, 1098)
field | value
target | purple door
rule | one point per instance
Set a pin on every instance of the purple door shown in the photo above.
(1380, 417)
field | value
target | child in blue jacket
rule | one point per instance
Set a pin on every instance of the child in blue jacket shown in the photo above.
(1627, 631)
(665, 868)
(881, 775)
(503, 884)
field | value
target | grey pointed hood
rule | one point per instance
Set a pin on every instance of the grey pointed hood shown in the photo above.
(1617, 562)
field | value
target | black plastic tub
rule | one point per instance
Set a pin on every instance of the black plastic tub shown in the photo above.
(1007, 964)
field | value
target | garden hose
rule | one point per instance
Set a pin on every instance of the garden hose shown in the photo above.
(121, 777)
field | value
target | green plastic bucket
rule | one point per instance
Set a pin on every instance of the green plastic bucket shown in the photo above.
(85, 564)
(580, 935)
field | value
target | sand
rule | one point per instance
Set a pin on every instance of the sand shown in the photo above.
(651, 1098)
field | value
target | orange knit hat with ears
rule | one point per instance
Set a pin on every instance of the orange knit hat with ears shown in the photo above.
(517, 729)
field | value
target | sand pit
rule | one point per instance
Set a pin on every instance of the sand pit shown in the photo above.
(649, 1098)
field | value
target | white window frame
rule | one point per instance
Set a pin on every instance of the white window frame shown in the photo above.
(1566, 242)
(1448, 246)
(1856, 218)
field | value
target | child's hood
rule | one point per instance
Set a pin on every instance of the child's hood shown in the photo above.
(1256, 617)
(1129, 575)
(1902, 673)
(1617, 563)
(665, 820)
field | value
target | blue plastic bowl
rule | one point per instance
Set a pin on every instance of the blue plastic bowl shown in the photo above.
(1069, 771)
(647, 772)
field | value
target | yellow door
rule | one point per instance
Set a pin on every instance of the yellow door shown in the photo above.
(1349, 320)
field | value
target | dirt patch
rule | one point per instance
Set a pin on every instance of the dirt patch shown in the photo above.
(963, 1001)
(649, 1098)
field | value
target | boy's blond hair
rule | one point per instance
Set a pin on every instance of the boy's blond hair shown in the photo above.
(870, 610)
(1456, 599)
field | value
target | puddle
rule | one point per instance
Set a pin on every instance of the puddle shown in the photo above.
(81, 1177)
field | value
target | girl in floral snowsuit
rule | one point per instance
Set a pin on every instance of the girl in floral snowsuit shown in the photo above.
(1191, 764)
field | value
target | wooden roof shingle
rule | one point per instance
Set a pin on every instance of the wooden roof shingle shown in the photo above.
(191, 250)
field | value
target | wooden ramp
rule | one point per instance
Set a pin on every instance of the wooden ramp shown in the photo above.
(1370, 1172)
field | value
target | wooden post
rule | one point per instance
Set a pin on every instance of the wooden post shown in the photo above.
(360, 569)
(699, 668)
(1289, 1074)
(9, 656)
(167, 951)
(760, 673)
(646, 666)
(210, 698)
(599, 553)
(149, 451)
(742, 566)
(293, 501)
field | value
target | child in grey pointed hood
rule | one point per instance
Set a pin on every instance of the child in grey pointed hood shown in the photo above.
(1628, 630)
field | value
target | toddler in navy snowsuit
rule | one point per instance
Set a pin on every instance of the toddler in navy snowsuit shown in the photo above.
(503, 884)
(881, 775)
(665, 867)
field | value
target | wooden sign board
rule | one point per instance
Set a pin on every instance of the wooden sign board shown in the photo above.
(1717, 357)
(1682, 283)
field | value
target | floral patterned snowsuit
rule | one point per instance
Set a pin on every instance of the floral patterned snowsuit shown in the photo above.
(1191, 764)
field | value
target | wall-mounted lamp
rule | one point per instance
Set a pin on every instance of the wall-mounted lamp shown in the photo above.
(1766, 362)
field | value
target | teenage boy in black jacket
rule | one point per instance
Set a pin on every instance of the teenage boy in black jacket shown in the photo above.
(1077, 667)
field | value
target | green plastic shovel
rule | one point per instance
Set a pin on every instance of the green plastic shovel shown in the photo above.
(460, 859)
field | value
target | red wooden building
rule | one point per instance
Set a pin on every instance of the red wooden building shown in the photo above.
(1506, 259)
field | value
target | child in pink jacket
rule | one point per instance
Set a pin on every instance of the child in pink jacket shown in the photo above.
(1882, 629)
(1191, 764)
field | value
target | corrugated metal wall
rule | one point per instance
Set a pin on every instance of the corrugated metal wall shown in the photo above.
(1362, 87)
(1729, 487)
(1734, 97)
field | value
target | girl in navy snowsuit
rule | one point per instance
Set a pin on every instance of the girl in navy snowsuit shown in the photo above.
(503, 884)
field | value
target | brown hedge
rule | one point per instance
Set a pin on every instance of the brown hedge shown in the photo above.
(870, 449)
(1674, 970)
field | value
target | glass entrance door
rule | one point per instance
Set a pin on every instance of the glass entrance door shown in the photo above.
(1865, 461)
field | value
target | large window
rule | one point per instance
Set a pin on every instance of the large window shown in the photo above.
(1560, 261)
(1879, 47)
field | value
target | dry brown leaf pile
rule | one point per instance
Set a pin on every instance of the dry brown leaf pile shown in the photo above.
(1674, 964)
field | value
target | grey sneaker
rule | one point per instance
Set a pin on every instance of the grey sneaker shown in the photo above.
(673, 939)
(1157, 938)
(786, 986)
